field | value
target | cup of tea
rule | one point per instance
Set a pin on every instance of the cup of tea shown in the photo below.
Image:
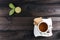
(43, 28)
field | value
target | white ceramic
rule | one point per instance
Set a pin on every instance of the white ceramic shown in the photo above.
(37, 32)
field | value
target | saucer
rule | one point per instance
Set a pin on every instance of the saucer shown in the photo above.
(37, 32)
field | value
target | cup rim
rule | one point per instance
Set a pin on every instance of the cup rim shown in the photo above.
(39, 24)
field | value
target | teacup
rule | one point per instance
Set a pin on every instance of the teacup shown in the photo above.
(43, 28)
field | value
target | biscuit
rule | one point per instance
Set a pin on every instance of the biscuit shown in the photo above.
(37, 20)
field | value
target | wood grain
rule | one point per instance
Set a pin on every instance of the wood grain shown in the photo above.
(24, 23)
(20, 26)
(44, 1)
(31, 10)
(32, 1)
(22, 35)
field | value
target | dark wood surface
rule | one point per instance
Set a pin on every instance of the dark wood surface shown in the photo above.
(20, 26)
(24, 23)
(26, 35)
(32, 10)
(30, 1)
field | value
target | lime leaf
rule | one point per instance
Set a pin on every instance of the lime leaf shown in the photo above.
(11, 6)
(11, 12)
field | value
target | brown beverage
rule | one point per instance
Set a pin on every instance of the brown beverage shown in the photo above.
(43, 27)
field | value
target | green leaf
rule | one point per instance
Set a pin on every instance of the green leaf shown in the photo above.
(11, 6)
(11, 12)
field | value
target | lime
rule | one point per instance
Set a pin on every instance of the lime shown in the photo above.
(17, 9)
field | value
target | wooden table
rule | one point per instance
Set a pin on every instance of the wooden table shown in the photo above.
(20, 26)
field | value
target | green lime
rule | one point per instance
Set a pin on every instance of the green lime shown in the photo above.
(17, 9)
